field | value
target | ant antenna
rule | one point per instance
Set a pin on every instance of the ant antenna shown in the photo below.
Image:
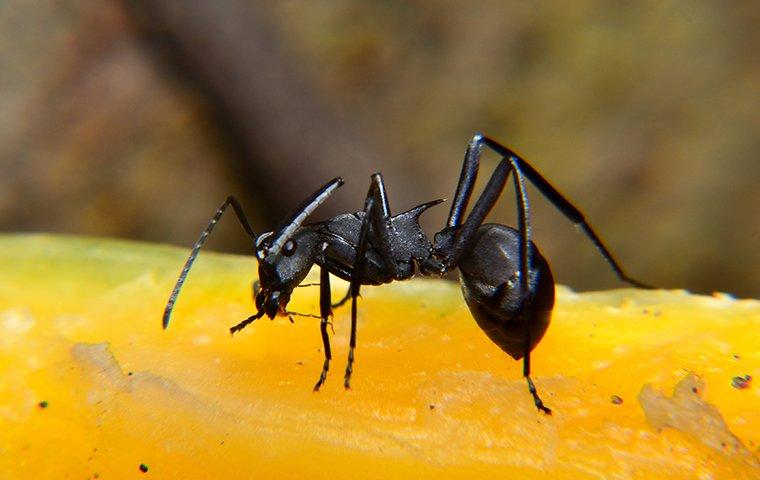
(304, 315)
(197, 248)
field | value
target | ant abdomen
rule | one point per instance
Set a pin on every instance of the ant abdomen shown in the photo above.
(489, 275)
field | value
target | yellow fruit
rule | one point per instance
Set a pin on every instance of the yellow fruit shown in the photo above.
(432, 397)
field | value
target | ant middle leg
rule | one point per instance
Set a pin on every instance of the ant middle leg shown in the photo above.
(377, 214)
(343, 300)
(355, 285)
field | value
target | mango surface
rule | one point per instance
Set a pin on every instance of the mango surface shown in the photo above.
(92, 387)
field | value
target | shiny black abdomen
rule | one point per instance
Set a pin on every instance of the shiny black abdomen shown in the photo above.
(491, 288)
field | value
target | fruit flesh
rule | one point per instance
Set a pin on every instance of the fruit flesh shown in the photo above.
(432, 397)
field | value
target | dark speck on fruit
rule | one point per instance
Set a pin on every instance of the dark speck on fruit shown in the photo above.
(741, 383)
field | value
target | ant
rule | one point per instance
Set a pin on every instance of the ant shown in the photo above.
(506, 282)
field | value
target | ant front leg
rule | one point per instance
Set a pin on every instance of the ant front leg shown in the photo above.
(325, 311)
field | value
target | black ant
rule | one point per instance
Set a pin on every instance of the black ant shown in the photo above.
(506, 283)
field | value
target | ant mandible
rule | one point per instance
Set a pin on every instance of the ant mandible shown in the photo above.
(506, 282)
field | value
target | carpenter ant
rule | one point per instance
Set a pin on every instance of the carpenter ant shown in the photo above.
(506, 282)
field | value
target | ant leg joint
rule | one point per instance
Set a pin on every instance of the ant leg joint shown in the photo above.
(536, 399)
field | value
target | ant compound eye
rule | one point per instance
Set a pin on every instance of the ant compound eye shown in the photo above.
(289, 248)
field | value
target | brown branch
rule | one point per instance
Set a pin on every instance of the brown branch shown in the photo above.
(291, 141)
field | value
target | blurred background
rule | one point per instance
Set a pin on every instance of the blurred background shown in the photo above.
(135, 119)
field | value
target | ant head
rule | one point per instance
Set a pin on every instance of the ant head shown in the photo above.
(282, 267)
(286, 256)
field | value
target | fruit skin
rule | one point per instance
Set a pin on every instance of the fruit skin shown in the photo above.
(80, 328)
